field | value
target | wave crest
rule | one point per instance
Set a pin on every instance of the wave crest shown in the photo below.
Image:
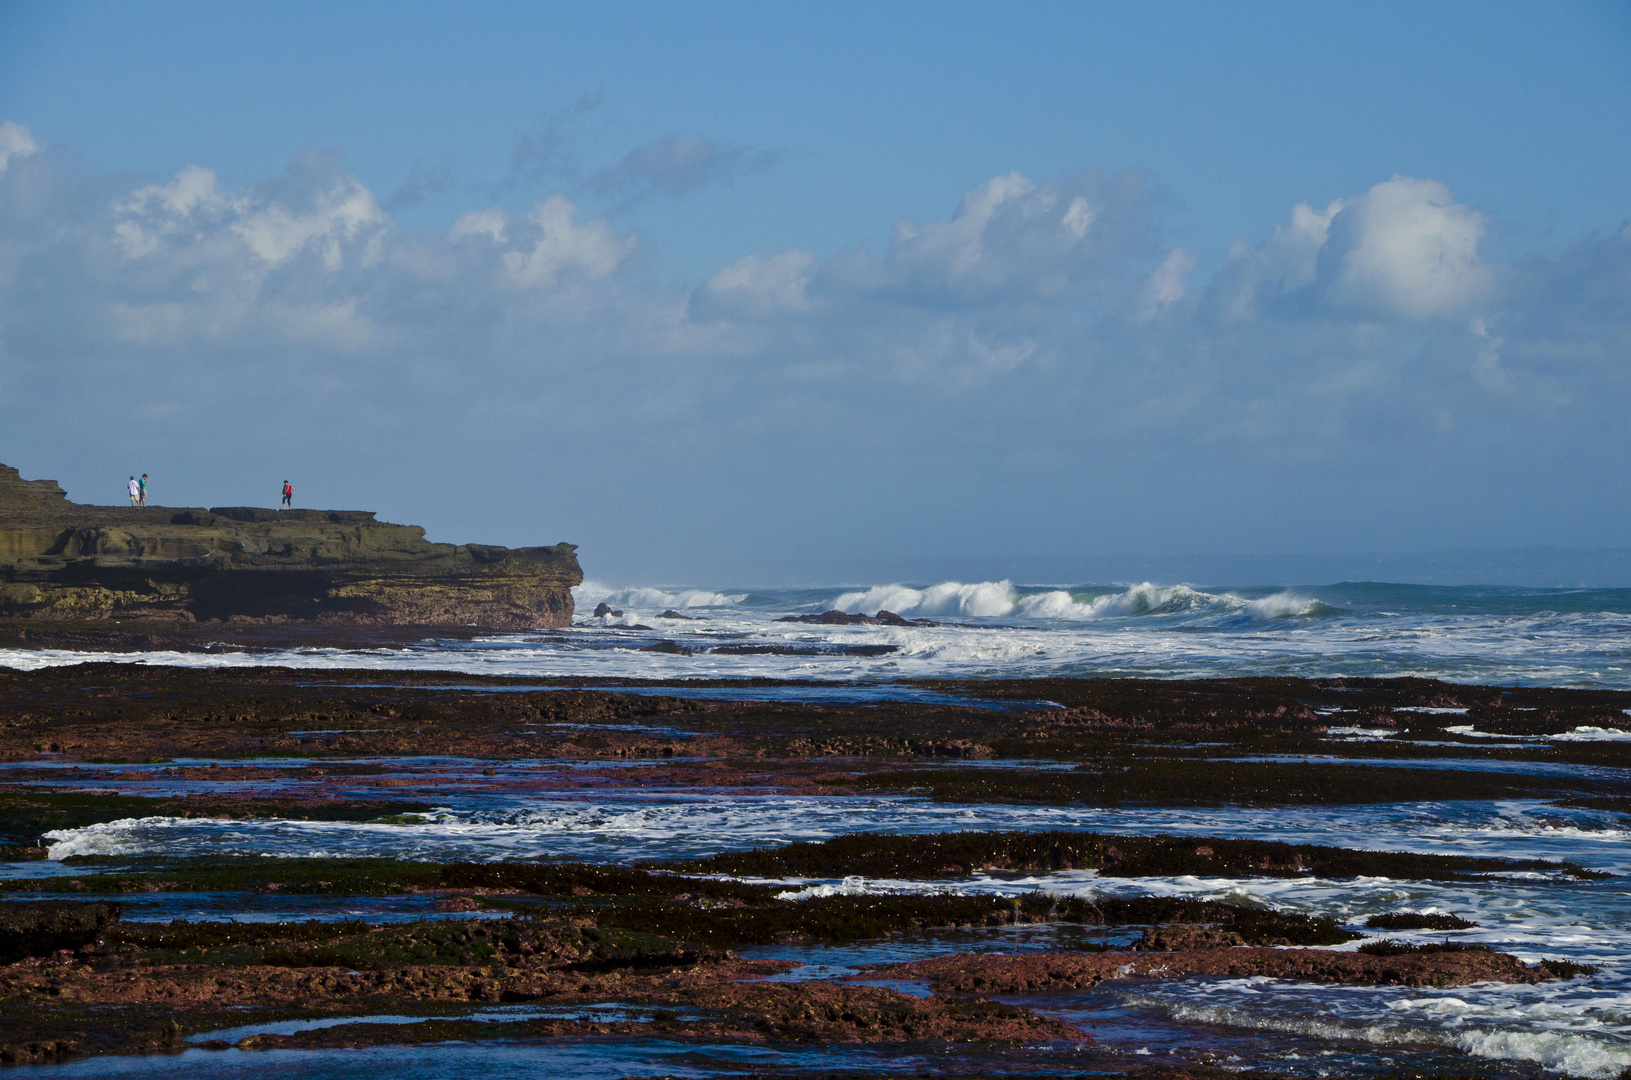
(593, 592)
(947, 598)
(1000, 598)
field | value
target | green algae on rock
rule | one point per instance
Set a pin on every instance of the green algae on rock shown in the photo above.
(67, 562)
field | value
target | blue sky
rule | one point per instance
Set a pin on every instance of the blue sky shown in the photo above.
(713, 286)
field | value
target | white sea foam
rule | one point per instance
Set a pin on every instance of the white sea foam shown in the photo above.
(591, 593)
(1579, 734)
(1001, 598)
(855, 885)
(1577, 1053)
(1593, 734)
(985, 598)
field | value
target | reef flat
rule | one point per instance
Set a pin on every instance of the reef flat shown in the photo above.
(1042, 877)
(79, 576)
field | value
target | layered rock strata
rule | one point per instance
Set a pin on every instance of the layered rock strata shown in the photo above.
(67, 562)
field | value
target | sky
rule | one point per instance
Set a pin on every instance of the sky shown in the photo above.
(723, 293)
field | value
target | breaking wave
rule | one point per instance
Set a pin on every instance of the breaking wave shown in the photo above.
(1552, 1046)
(1000, 598)
(591, 593)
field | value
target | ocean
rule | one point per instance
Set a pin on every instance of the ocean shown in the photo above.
(999, 629)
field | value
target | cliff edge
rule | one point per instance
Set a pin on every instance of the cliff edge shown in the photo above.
(67, 562)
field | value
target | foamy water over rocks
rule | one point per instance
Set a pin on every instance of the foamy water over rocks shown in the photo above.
(1559, 637)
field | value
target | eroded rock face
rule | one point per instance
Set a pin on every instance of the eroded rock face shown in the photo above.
(65, 561)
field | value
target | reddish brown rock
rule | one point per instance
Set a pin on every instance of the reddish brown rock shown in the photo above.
(987, 973)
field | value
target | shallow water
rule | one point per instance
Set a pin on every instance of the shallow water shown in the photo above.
(633, 825)
(590, 1059)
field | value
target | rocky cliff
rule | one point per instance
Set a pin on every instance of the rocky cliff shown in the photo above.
(67, 562)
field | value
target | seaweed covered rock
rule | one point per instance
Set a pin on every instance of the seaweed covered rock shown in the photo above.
(67, 562)
(989, 973)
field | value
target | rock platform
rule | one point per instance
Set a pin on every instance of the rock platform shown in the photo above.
(66, 562)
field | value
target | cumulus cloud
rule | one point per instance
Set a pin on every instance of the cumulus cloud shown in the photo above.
(1166, 284)
(334, 214)
(1278, 267)
(1406, 247)
(1010, 238)
(758, 286)
(490, 223)
(555, 244)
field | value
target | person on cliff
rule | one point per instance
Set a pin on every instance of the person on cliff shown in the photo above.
(135, 491)
(288, 496)
(141, 489)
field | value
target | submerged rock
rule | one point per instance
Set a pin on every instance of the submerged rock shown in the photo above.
(67, 562)
(847, 618)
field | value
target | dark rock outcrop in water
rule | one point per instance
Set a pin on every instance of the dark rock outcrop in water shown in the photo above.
(66, 562)
(846, 618)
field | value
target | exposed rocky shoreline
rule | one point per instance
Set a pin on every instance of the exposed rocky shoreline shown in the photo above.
(684, 949)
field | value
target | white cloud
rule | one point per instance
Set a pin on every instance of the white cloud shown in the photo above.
(1010, 239)
(562, 245)
(15, 141)
(755, 286)
(192, 201)
(488, 223)
(1165, 285)
(1079, 217)
(342, 212)
(1405, 246)
(191, 209)
(1283, 264)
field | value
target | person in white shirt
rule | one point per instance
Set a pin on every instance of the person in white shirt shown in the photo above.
(135, 491)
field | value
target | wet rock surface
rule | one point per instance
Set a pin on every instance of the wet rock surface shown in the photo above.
(44, 927)
(685, 948)
(994, 974)
(1140, 743)
(950, 855)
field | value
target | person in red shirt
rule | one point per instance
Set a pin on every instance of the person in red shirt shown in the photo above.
(288, 496)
